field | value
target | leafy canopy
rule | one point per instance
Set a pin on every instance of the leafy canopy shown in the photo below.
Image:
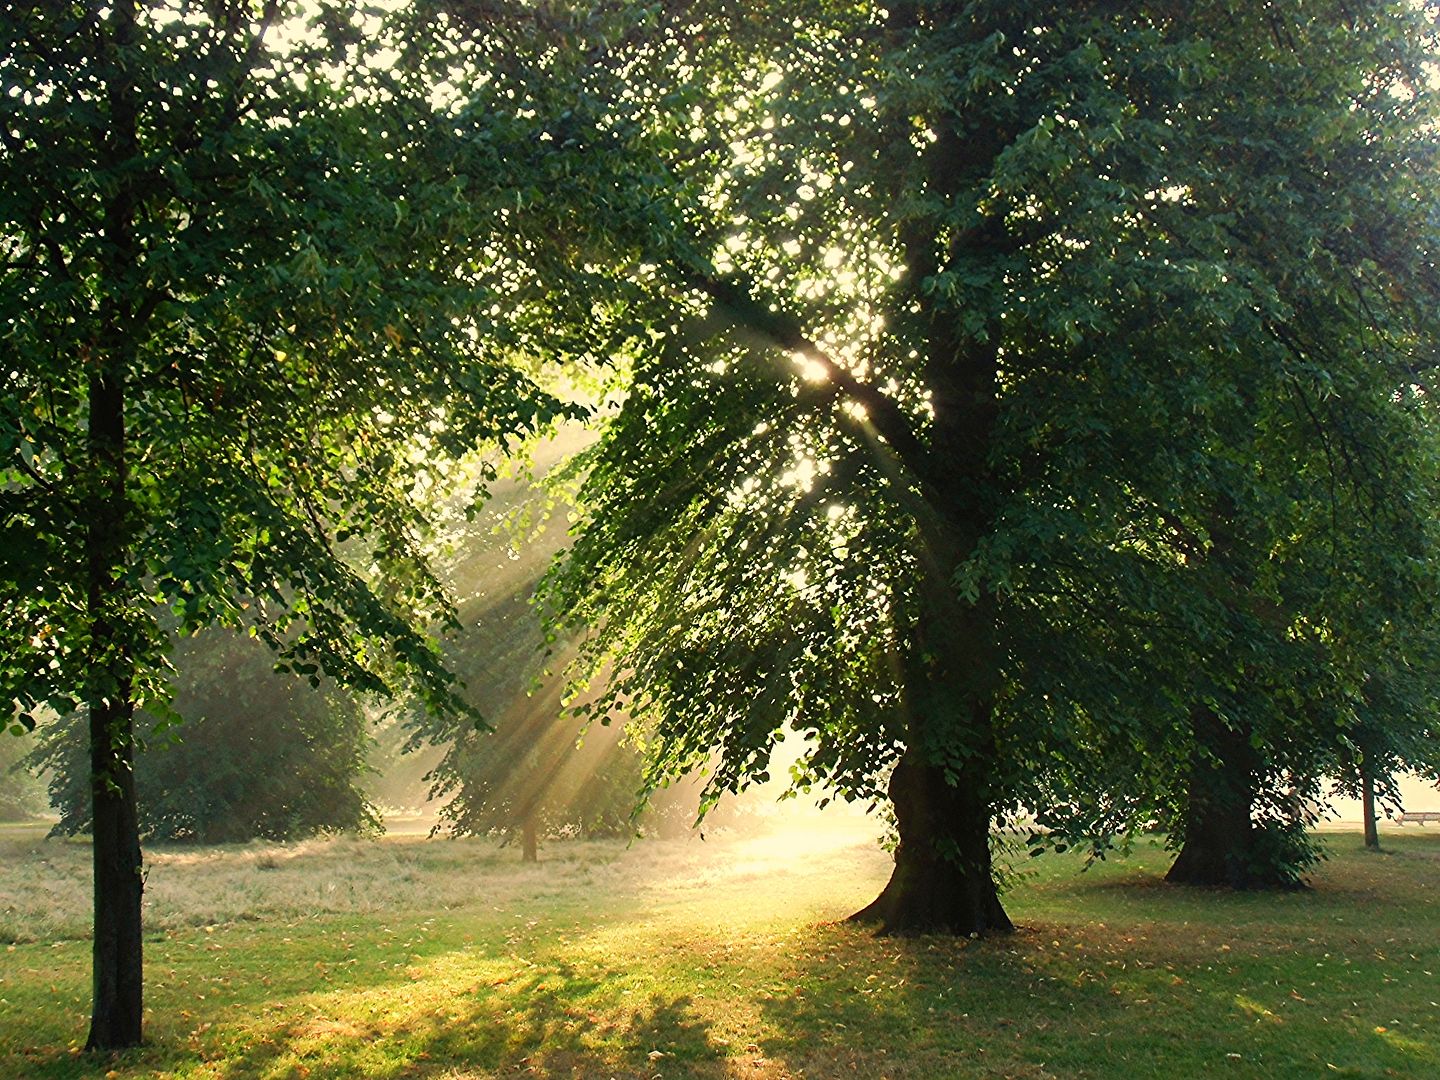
(306, 301)
(1198, 240)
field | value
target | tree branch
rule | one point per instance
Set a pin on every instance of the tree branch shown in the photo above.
(782, 331)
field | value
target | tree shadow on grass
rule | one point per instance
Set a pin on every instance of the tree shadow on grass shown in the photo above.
(544, 1022)
(1076, 1001)
(869, 1007)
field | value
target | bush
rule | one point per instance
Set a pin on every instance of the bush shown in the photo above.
(260, 755)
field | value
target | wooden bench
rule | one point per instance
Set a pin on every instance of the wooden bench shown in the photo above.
(1419, 817)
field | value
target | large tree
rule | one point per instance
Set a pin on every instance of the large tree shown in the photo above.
(252, 255)
(963, 316)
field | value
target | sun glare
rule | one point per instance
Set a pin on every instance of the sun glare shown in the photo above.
(811, 370)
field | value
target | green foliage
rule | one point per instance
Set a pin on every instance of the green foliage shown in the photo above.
(283, 258)
(1116, 325)
(261, 756)
(1285, 851)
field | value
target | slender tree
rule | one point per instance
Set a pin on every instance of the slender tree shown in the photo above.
(536, 772)
(248, 260)
(1367, 797)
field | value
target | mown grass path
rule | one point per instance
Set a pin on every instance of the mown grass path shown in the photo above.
(449, 960)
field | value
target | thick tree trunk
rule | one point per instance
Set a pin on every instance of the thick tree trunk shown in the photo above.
(1367, 799)
(1220, 839)
(529, 841)
(942, 788)
(943, 881)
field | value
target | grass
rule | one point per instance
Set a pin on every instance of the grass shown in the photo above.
(449, 960)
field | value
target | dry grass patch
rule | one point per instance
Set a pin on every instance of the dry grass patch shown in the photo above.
(45, 887)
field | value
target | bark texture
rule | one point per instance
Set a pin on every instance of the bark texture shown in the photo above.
(115, 1020)
(943, 881)
(1222, 844)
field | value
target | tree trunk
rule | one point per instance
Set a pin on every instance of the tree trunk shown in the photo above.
(115, 1020)
(942, 787)
(1219, 848)
(943, 881)
(1367, 798)
(1218, 838)
(529, 845)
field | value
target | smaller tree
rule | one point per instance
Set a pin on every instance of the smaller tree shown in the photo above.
(263, 755)
(533, 771)
(1397, 732)
(22, 796)
(537, 776)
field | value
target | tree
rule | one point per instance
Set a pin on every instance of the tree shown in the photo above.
(247, 266)
(961, 314)
(517, 779)
(1348, 658)
(260, 755)
(538, 776)
(535, 772)
(22, 796)
(1395, 733)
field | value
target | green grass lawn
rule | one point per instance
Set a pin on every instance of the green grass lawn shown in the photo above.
(449, 959)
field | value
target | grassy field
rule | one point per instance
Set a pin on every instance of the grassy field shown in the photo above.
(450, 960)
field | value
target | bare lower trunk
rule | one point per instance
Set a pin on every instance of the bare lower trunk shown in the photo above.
(1221, 844)
(115, 1020)
(943, 881)
(1367, 798)
(529, 842)
(1218, 837)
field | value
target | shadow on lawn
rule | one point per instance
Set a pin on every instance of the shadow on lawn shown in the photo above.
(838, 1003)
(925, 1007)
(1089, 1001)
(541, 1023)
